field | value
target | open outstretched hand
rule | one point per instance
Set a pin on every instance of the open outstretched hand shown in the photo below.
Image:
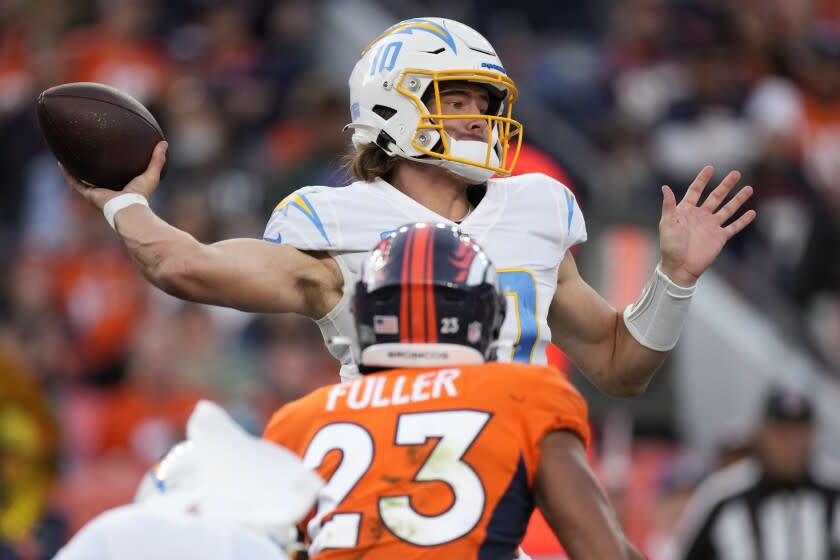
(691, 236)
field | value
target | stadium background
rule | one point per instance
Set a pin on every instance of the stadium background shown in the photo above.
(98, 371)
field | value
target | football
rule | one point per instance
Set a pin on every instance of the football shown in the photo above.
(101, 135)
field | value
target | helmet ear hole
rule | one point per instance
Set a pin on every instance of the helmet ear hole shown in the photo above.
(384, 111)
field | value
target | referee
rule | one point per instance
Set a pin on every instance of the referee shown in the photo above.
(770, 507)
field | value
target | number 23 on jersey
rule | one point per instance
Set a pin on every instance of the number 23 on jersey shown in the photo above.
(455, 432)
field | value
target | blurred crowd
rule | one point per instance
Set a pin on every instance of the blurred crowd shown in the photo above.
(98, 371)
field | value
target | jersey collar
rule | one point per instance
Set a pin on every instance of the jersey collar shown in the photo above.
(485, 214)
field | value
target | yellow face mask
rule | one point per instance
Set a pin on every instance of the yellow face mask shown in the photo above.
(430, 138)
(395, 98)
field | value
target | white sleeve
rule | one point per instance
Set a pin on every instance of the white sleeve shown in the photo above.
(575, 224)
(133, 533)
(305, 220)
(88, 544)
(572, 226)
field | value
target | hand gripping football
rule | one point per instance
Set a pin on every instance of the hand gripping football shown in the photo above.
(101, 135)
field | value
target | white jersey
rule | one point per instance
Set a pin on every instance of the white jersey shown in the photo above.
(133, 532)
(524, 223)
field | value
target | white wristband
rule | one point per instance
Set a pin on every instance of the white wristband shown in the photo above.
(657, 317)
(118, 203)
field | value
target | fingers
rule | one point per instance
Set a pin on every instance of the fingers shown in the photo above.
(669, 201)
(739, 224)
(96, 196)
(146, 183)
(72, 181)
(157, 162)
(692, 195)
(733, 205)
(716, 197)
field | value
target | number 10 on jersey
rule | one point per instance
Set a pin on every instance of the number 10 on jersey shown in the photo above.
(520, 285)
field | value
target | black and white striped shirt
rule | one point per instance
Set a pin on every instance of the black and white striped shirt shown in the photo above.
(737, 514)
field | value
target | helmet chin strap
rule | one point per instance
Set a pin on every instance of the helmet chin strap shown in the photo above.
(471, 150)
(474, 150)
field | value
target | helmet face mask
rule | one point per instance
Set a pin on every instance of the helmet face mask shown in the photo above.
(427, 296)
(400, 76)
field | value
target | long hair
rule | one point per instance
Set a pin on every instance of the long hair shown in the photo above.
(369, 161)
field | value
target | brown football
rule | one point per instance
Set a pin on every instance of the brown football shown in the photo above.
(101, 135)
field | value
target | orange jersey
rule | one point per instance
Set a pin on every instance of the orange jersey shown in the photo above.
(428, 464)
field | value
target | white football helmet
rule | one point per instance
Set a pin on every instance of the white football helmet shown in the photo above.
(175, 474)
(222, 472)
(396, 77)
